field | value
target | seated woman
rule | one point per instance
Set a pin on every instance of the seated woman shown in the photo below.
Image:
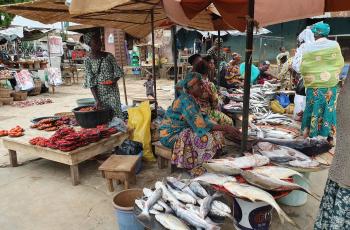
(209, 99)
(193, 138)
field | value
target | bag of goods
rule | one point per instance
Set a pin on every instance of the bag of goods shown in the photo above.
(276, 107)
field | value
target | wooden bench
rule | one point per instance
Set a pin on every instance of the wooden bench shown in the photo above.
(120, 168)
(163, 156)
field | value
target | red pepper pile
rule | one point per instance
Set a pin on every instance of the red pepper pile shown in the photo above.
(51, 124)
(67, 139)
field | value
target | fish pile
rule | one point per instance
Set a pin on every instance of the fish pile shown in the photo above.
(179, 204)
(285, 155)
(269, 132)
(273, 119)
(259, 102)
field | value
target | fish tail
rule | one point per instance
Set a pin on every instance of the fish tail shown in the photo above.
(144, 216)
(284, 215)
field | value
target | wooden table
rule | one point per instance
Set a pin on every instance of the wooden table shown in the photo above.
(72, 158)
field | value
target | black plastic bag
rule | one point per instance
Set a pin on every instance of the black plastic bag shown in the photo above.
(300, 88)
(129, 148)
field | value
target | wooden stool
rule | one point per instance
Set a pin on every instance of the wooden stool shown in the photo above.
(120, 168)
(163, 156)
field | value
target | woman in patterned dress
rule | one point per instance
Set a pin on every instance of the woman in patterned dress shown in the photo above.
(189, 132)
(335, 205)
(102, 74)
(321, 64)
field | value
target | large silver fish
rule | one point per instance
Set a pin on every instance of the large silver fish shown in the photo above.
(206, 205)
(192, 218)
(220, 167)
(253, 193)
(171, 222)
(254, 160)
(214, 179)
(304, 163)
(141, 204)
(280, 154)
(195, 209)
(167, 195)
(175, 183)
(276, 172)
(272, 184)
(151, 201)
(148, 192)
(182, 196)
(218, 209)
(198, 189)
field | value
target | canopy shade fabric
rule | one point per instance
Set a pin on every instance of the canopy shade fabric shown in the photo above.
(234, 12)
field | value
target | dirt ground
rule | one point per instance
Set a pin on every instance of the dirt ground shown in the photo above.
(38, 194)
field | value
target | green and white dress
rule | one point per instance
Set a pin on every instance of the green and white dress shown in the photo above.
(321, 64)
(101, 70)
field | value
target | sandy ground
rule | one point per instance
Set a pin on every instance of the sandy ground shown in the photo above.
(38, 194)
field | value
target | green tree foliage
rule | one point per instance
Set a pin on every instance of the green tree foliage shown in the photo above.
(5, 18)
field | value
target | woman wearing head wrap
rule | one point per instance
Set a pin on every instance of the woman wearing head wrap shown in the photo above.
(233, 75)
(209, 99)
(192, 136)
(321, 65)
(102, 74)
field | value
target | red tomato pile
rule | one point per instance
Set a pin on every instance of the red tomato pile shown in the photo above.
(67, 139)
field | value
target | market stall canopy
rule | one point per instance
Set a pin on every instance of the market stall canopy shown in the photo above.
(234, 12)
(137, 14)
(134, 17)
(11, 33)
(50, 11)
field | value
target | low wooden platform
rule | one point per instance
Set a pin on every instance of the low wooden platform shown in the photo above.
(72, 158)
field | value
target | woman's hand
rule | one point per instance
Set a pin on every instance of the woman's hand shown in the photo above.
(232, 130)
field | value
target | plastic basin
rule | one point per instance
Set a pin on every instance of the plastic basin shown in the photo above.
(123, 203)
(92, 119)
(86, 102)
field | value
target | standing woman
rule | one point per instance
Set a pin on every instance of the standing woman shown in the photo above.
(102, 74)
(321, 65)
(335, 205)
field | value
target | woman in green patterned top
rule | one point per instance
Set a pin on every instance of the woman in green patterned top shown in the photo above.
(321, 64)
(102, 74)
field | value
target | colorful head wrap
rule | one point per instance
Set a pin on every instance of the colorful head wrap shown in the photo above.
(321, 28)
(191, 79)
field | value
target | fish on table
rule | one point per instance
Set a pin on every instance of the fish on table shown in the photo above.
(256, 194)
(175, 183)
(214, 178)
(272, 184)
(221, 167)
(206, 205)
(148, 192)
(276, 172)
(309, 146)
(253, 160)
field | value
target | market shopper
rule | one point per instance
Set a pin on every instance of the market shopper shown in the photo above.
(335, 205)
(321, 64)
(209, 100)
(102, 74)
(264, 73)
(232, 76)
(283, 52)
(211, 68)
(192, 136)
(213, 51)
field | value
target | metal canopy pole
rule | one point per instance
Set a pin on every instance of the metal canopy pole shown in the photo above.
(154, 60)
(173, 33)
(219, 59)
(247, 77)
